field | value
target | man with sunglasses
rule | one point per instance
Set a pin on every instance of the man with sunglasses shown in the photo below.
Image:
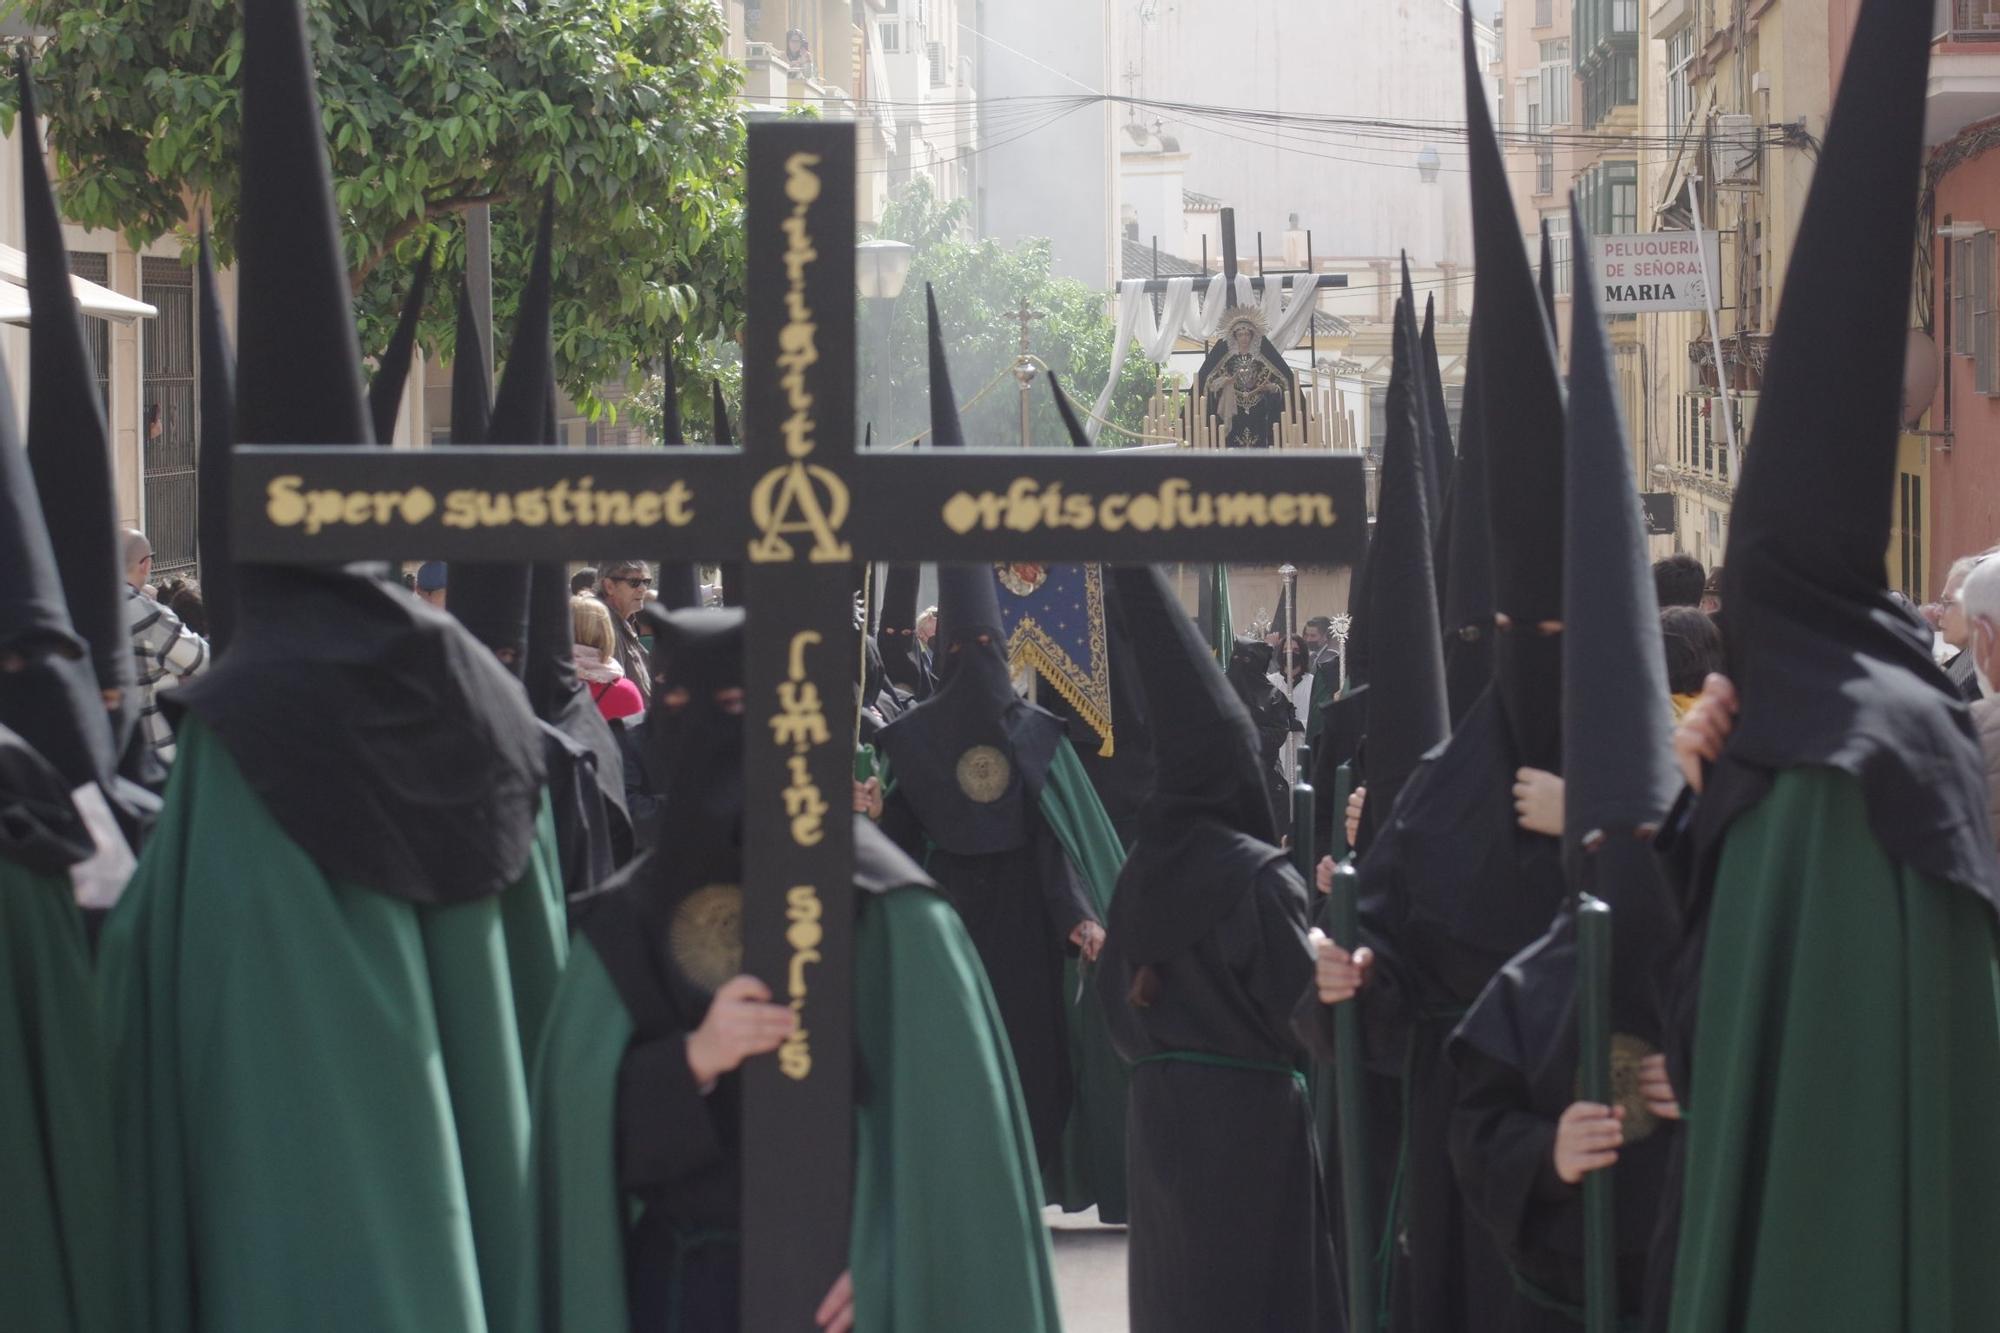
(625, 586)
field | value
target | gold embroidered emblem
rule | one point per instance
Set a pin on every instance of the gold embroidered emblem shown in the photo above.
(983, 774)
(1626, 1053)
(706, 936)
(1023, 580)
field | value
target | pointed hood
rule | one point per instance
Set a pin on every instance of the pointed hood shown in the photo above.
(671, 432)
(298, 369)
(1830, 670)
(68, 450)
(896, 635)
(1207, 762)
(1407, 714)
(1079, 438)
(471, 391)
(1208, 827)
(1618, 767)
(385, 391)
(399, 704)
(1619, 776)
(551, 664)
(1467, 541)
(946, 430)
(53, 702)
(491, 599)
(974, 753)
(1523, 412)
(1438, 414)
(218, 433)
(679, 587)
(695, 751)
(725, 434)
(1420, 399)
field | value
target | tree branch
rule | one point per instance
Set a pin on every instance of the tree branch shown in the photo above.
(396, 234)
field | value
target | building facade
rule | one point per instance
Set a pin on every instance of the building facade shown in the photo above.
(1737, 94)
(1948, 503)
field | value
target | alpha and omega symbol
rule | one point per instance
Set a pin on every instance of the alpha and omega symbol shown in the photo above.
(799, 499)
(983, 774)
(706, 935)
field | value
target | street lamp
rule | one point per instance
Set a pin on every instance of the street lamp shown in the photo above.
(882, 267)
(1428, 164)
(880, 270)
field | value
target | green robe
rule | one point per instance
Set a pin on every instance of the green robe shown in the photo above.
(947, 1213)
(319, 1089)
(1091, 1171)
(1842, 1152)
(58, 1189)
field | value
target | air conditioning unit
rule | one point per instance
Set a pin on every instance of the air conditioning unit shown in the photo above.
(1737, 149)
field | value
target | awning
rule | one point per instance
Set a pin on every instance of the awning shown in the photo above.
(91, 299)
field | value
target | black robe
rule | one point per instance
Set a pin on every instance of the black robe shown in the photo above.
(1019, 906)
(1451, 890)
(582, 815)
(1515, 1065)
(1229, 1225)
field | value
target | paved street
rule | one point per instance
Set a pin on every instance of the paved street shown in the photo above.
(1090, 1273)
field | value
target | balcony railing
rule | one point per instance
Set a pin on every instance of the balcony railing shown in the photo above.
(1968, 20)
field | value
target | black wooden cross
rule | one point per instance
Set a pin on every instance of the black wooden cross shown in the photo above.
(802, 509)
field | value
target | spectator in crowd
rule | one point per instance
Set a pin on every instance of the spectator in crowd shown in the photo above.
(624, 586)
(1678, 580)
(597, 665)
(431, 582)
(799, 52)
(1694, 652)
(166, 651)
(1711, 594)
(926, 632)
(1954, 629)
(582, 582)
(1979, 607)
(183, 597)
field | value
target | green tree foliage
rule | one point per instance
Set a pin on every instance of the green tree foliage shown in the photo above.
(433, 107)
(979, 285)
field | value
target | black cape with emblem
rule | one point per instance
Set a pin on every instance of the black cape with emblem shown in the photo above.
(976, 773)
(1205, 969)
(969, 767)
(1515, 1055)
(638, 1171)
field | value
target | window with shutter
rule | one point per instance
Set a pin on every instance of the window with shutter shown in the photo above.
(1985, 353)
(937, 64)
(1961, 296)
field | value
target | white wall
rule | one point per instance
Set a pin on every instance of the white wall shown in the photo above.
(1060, 181)
(1387, 59)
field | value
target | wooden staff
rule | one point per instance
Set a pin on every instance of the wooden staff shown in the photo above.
(1351, 1107)
(1302, 817)
(1593, 1020)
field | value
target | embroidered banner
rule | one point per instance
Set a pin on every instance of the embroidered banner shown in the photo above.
(1053, 617)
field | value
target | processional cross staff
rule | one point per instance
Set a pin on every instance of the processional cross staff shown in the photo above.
(803, 509)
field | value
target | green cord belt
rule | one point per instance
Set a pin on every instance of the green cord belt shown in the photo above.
(1225, 1062)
